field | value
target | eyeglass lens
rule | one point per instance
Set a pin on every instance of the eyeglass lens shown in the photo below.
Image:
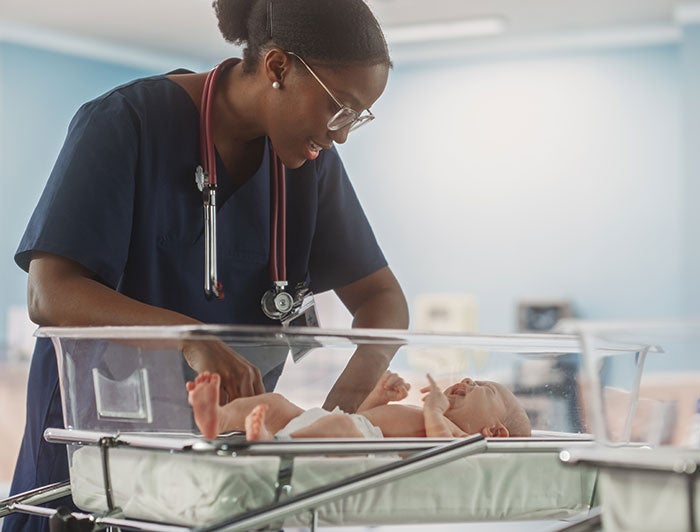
(347, 117)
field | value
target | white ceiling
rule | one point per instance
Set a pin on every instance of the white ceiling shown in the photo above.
(188, 27)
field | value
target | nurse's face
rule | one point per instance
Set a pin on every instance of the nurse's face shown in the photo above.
(302, 106)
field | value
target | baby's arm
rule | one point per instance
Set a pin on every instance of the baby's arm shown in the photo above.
(434, 407)
(390, 387)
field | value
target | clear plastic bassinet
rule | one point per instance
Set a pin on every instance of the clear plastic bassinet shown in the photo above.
(133, 445)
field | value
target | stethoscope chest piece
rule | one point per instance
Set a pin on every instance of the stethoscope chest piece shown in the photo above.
(277, 302)
(290, 307)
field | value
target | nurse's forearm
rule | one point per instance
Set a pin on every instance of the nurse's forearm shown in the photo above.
(387, 309)
(358, 378)
(62, 293)
(84, 302)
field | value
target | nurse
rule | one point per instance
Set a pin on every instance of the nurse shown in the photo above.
(117, 236)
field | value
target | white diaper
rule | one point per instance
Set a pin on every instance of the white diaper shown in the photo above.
(314, 414)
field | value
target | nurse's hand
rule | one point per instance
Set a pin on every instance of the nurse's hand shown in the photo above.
(239, 378)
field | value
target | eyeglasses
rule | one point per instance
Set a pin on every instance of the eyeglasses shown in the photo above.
(346, 116)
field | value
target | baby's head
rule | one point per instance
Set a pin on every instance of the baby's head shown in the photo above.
(487, 408)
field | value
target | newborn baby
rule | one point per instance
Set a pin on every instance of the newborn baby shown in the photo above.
(467, 407)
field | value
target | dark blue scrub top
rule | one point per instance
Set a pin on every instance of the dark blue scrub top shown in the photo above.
(122, 201)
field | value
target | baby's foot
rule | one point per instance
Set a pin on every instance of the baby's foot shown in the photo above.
(255, 429)
(204, 397)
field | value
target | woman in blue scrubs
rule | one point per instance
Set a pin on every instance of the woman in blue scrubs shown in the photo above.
(117, 236)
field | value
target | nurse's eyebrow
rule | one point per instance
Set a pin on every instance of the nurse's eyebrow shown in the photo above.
(349, 100)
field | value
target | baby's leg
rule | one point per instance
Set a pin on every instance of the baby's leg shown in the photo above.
(331, 426)
(212, 419)
(279, 412)
(203, 395)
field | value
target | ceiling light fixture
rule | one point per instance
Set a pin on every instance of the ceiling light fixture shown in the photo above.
(442, 31)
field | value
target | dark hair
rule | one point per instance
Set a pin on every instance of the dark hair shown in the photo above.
(329, 32)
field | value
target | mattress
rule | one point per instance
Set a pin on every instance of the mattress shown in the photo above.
(198, 490)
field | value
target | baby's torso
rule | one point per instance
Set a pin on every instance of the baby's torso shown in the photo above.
(397, 421)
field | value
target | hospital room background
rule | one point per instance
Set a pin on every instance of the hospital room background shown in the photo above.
(559, 170)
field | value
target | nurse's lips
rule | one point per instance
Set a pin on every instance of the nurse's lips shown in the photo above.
(313, 149)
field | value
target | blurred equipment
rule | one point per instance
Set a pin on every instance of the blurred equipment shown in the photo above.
(541, 315)
(446, 313)
(547, 387)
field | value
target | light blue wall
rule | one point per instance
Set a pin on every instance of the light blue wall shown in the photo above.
(539, 176)
(547, 176)
(690, 69)
(39, 93)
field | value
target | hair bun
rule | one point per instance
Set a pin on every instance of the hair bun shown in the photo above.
(233, 18)
(334, 32)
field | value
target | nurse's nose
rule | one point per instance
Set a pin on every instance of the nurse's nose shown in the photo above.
(339, 136)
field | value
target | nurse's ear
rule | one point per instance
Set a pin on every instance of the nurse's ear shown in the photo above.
(276, 65)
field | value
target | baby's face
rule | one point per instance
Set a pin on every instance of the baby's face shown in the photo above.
(477, 404)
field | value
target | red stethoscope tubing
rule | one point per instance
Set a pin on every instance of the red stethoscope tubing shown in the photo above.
(278, 243)
(206, 142)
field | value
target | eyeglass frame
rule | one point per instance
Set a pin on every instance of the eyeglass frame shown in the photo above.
(359, 119)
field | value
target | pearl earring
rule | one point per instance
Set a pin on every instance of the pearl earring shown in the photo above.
(276, 85)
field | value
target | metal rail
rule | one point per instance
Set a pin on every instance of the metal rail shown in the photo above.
(237, 446)
(100, 522)
(40, 495)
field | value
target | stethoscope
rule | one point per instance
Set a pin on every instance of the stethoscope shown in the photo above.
(278, 303)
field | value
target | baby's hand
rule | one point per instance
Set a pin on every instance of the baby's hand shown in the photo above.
(435, 399)
(390, 387)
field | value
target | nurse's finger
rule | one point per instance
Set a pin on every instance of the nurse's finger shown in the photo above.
(243, 387)
(231, 388)
(223, 397)
(258, 386)
(253, 384)
(250, 382)
(245, 379)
